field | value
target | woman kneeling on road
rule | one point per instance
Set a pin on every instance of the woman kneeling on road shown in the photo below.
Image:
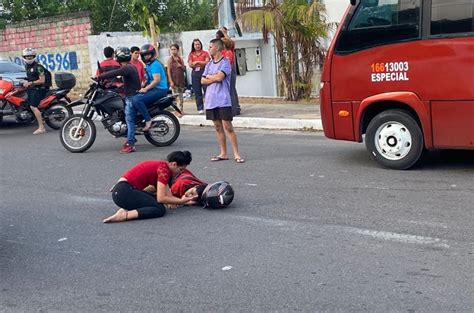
(132, 191)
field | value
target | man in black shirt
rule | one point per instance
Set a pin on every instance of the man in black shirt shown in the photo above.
(36, 85)
(132, 84)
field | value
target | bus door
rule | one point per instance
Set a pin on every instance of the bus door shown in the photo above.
(450, 48)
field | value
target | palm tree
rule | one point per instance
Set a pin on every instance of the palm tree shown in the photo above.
(297, 27)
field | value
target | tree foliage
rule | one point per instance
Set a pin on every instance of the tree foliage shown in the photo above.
(297, 27)
(171, 15)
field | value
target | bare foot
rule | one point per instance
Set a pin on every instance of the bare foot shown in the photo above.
(39, 131)
(147, 126)
(119, 216)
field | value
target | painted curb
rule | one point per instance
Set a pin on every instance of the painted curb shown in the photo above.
(255, 122)
(258, 122)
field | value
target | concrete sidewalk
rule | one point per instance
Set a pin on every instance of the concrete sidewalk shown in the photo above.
(264, 113)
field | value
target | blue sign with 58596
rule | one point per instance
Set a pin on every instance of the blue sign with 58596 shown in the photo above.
(66, 61)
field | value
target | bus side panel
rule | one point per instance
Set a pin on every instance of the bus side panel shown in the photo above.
(436, 69)
(453, 125)
(343, 124)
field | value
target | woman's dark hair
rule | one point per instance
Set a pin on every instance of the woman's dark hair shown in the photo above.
(180, 157)
(200, 190)
(192, 45)
(174, 45)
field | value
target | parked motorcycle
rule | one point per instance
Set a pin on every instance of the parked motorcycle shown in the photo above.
(78, 132)
(54, 107)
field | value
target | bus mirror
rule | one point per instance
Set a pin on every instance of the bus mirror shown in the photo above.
(353, 2)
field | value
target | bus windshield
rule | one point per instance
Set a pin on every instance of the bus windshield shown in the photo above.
(378, 22)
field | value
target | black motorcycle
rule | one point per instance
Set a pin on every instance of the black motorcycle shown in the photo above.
(78, 132)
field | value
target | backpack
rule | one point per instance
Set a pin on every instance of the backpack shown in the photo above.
(48, 82)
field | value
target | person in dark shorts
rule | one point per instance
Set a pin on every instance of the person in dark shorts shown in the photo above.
(218, 104)
(133, 192)
(36, 86)
(229, 54)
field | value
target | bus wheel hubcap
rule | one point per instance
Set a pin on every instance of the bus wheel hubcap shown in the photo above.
(393, 140)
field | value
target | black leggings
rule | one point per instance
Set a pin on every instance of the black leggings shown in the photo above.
(130, 198)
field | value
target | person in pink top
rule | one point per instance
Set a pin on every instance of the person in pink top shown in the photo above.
(133, 192)
(138, 63)
(197, 60)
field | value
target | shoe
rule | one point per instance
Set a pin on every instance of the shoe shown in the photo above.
(201, 112)
(127, 148)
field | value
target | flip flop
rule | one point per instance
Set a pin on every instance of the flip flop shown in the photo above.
(240, 160)
(218, 158)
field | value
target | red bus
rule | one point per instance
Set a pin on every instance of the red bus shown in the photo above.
(399, 75)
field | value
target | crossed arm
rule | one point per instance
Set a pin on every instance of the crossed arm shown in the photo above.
(209, 79)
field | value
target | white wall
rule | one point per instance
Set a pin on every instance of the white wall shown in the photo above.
(335, 10)
(255, 83)
(262, 83)
(97, 44)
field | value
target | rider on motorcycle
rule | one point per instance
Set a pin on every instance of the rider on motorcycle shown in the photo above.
(35, 84)
(132, 84)
(156, 86)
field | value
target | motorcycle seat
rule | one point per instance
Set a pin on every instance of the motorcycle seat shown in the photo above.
(165, 99)
(59, 92)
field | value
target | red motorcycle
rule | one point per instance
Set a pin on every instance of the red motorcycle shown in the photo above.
(53, 108)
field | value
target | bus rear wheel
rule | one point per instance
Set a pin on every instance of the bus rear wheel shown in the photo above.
(394, 139)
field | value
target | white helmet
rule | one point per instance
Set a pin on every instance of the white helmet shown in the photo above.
(28, 52)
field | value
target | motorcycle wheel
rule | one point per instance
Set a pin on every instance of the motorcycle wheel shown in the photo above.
(56, 119)
(165, 129)
(76, 136)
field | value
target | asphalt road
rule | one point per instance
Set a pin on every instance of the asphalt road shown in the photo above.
(315, 226)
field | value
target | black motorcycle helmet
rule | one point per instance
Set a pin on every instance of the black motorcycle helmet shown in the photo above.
(123, 54)
(217, 195)
(148, 49)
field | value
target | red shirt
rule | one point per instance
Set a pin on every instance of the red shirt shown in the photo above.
(229, 55)
(148, 173)
(107, 65)
(198, 56)
(140, 69)
(183, 182)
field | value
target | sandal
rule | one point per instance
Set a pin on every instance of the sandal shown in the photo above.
(239, 160)
(218, 158)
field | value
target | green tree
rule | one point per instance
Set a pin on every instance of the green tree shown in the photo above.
(297, 27)
(141, 15)
(118, 15)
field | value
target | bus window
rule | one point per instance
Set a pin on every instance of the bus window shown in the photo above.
(380, 22)
(452, 17)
